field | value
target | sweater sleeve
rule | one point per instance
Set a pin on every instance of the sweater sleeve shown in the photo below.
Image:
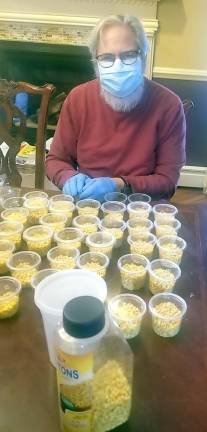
(170, 155)
(61, 160)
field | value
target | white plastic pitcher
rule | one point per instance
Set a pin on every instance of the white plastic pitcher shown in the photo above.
(56, 290)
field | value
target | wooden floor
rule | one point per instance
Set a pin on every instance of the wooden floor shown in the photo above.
(188, 196)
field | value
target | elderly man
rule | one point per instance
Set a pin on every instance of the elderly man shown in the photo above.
(120, 131)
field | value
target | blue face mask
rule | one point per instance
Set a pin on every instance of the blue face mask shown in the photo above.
(121, 80)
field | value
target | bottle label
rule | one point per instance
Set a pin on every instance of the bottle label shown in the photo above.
(74, 375)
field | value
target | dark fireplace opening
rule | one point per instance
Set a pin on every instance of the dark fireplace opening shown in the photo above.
(65, 66)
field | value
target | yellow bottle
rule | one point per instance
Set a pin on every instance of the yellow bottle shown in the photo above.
(94, 369)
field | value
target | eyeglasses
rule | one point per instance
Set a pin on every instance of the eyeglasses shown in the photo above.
(127, 57)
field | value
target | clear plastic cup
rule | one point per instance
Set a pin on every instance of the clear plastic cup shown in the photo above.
(113, 210)
(163, 275)
(15, 214)
(127, 311)
(94, 261)
(143, 245)
(8, 192)
(6, 250)
(55, 222)
(87, 224)
(139, 226)
(61, 197)
(171, 228)
(62, 206)
(116, 196)
(37, 207)
(115, 227)
(35, 194)
(164, 213)
(11, 231)
(23, 265)
(9, 296)
(88, 207)
(133, 269)
(56, 290)
(137, 197)
(171, 248)
(13, 202)
(167, 311)
(139, 209)
(102, 242)
(40, 275)
(69, 238)
(38, 239)
(61, 258)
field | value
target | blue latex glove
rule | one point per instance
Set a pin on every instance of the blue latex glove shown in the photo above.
(98, 187)
(75, 184)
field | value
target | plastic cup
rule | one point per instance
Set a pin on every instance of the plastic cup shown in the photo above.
(127, 311)
(9, 296)
(167, 311)
(37, 206)
(171, 248)
(62, 258)
(116, 196)
(102, 242)
(15, 214)
(164, 213)
(88, 207)
(40, 275)
(61, 197)
(133, 269)
(56, 290)
(62, 206)
(163, 275)
(8, 192)
(6, 249)
(38, 239)
(137, 197)
(139, 226)
(55, 222)
(35, 194)
(113, 210)
(171, 228)
(23, 266)
(115, 227)
(143, 245)
(13, 202)
(69, 238)
(87, 224)
(12, 231)
(93, 261)
(139, 209)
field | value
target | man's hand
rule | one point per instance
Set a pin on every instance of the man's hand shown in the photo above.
(98, 187)
(75, 184)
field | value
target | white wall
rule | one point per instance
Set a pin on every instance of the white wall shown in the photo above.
(144, 9)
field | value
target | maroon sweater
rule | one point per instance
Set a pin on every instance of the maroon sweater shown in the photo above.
(145, 146)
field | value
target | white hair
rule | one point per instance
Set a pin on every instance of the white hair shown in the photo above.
(131, 21)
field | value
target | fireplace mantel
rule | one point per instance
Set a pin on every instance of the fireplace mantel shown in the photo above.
(61, 29)
(68, 24)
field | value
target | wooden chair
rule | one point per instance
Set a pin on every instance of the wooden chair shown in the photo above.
(13, 132)
(187, 105)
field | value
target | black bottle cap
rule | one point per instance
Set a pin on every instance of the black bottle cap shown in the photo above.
(83, 317)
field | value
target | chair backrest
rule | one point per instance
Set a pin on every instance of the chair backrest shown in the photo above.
(14, 125)
(187, 105)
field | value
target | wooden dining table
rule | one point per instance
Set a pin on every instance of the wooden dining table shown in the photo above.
(170, 374)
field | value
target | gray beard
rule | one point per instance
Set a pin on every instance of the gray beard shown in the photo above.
(125, 104)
